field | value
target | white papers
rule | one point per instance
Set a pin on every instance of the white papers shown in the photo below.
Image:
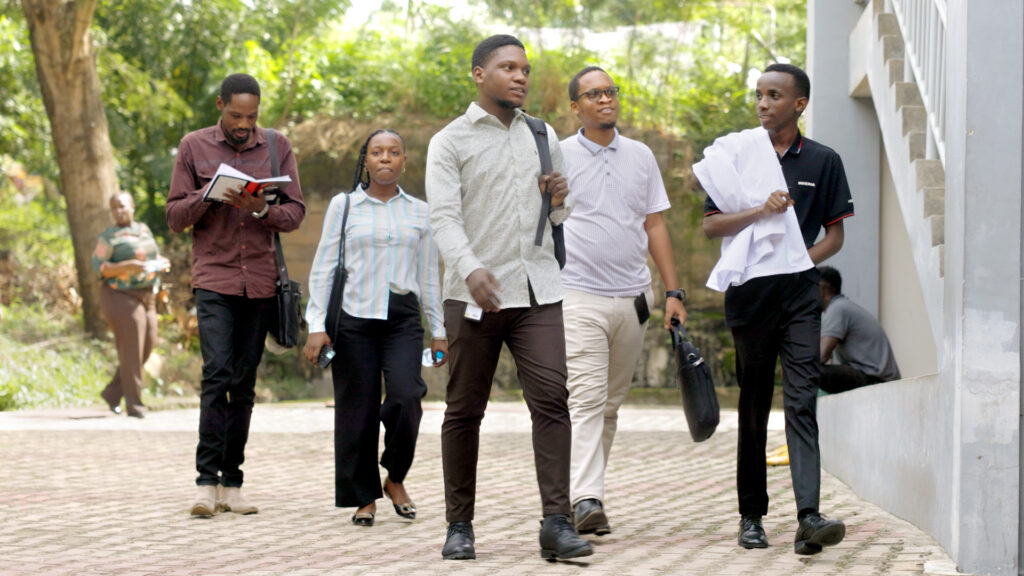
(229, 178)
(156, 265)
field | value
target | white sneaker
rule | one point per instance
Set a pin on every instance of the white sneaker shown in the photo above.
(205, 504)
(230, 499)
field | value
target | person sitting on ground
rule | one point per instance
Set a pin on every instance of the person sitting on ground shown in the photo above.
(852, 339)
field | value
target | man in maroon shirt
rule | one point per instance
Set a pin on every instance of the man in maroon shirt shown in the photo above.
(234, 277)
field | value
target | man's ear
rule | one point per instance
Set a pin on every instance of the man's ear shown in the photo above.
(478, 75)
(801, 104)
(575, 109)
(220, 103)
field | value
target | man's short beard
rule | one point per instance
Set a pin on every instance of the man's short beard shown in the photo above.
(236, 141)
(507, 104)
(607, 125)
(230, 135)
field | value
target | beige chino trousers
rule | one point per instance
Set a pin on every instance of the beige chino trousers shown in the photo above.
(603, 342)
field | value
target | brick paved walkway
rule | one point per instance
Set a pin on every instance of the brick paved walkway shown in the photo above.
(85, 493)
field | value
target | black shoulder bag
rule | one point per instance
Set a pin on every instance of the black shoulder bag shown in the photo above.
(540, 134)
(700, 404)
(338, 286)
(287, 320)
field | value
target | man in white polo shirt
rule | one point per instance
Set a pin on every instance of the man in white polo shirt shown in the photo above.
(616, 220)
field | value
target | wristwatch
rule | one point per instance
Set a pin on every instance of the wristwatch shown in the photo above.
(262, 213)
(677, 294)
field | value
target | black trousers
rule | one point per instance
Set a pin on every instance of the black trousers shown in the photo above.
(231, 334)
(786, 325)
(536, 338)
(836, 378)
(365, 349)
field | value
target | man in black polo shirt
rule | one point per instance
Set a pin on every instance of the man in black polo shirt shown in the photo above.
(780, 314)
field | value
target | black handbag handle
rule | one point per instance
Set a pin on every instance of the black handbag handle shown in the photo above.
(677, 333)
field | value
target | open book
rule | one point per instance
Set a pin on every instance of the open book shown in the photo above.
(228, 177)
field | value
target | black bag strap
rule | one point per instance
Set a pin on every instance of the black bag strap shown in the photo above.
(540, 133)
(275, 162)
(344, 221)
(275, 171)
(341, 256)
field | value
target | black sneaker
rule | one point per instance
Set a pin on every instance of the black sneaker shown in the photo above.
(558, 539)
(589, 517)
(816, 532)
(751, 533)
(459, 543)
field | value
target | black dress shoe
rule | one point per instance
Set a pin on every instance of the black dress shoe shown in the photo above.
(752, 533)
(115, 409)
(558, 539)
(459, 543)
(816, 532)
(590, 517)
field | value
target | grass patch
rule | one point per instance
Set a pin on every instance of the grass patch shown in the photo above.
(47, 360)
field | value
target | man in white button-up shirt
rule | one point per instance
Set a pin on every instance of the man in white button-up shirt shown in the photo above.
(485, 189)
(619, 196)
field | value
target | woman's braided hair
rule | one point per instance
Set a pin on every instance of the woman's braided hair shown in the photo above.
(361, 179)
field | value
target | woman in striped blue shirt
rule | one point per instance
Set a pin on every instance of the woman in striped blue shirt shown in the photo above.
(392, 266)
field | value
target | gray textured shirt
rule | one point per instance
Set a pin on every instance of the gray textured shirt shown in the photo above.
(862, 342)
(481, 185)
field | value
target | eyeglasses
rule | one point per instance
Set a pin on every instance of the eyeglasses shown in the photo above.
(595, 94)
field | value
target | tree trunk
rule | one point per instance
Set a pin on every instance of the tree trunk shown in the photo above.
(66, 69)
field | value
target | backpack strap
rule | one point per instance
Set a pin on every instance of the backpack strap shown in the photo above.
(540, 134)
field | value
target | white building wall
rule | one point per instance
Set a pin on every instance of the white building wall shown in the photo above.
(850, 127)
(945, 451)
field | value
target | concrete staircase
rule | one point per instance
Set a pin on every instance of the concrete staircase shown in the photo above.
(903, 122)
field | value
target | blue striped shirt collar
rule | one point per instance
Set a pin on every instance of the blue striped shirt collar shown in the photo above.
(594, 147)
(359, 195)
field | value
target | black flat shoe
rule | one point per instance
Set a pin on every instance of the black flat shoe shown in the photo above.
(363, 519)
(115, 410)
(406, 510)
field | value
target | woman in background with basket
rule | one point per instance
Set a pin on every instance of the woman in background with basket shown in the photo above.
(378, 238)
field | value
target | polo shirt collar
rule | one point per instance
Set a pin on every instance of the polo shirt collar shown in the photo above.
(594, 147)
(797, 146)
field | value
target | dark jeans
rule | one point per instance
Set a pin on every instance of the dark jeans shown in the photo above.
(536, 338)
(787, 325)
(365, 349)
(836, 378)
(231, 334)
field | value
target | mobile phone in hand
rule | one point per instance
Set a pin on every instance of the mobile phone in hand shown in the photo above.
(326, 355)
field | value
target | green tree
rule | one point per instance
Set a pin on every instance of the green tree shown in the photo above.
(62, 46)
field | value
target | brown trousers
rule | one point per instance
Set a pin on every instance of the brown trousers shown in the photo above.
(536, 338)
(132, 316)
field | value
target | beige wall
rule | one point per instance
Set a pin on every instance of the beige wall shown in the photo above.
(901, 307)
